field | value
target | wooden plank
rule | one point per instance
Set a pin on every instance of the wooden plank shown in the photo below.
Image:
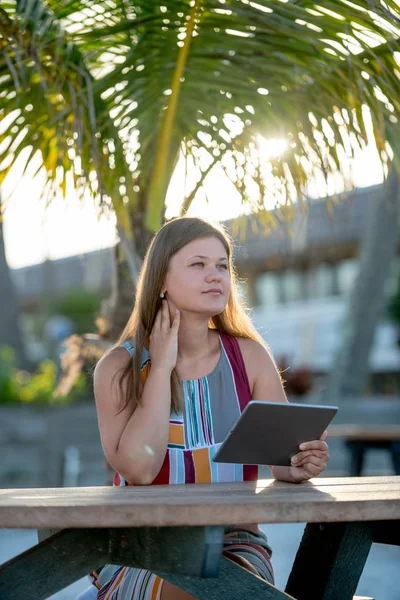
(365, 432)
(70, 554)
(232, 583)
(328, 481)
(203, 555)
(194, 551)
(265, 501)
(333, 555)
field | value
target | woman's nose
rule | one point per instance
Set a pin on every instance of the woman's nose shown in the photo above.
(213, 274)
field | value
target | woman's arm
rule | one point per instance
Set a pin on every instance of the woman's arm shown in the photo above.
(265, 384)
(135, 440)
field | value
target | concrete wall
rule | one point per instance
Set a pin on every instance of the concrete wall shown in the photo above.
(33, 441)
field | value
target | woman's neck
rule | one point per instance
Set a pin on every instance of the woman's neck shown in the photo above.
(194, 339)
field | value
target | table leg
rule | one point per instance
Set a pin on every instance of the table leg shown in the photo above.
(357, 450)
(330, 560)
(385, 532)
(396, 457)
(53, 564)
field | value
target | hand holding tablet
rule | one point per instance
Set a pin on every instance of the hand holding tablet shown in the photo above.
(270, 433)
(310, 461)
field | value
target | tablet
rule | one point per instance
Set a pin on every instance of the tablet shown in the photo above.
(269, 433)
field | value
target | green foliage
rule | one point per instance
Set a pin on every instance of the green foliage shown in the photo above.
(110, 93)
(36, 388)
(394, 304)
(81, 307)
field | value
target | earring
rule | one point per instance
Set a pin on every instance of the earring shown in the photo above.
(162, 295)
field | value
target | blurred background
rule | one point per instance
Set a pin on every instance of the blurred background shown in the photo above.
(279, 119)
(297, 285)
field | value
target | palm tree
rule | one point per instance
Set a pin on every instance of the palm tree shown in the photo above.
(108, 96)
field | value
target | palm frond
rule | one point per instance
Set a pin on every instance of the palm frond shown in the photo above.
(99, 75)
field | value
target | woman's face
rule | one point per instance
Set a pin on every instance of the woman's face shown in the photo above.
(198, 278)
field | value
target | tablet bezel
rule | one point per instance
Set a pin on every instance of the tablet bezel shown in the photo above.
(244, 443)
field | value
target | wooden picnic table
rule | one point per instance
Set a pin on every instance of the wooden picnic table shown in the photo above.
(361, 438)
(177, 532)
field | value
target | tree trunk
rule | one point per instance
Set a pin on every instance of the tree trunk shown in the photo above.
(367, 300)
(10, 332)
(117, 308)
(128, 258)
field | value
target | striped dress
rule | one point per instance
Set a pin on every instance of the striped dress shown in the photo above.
(212, 404)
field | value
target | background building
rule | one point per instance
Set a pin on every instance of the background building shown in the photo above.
(296, 277)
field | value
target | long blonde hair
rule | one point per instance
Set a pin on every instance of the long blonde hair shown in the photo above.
(234, 320)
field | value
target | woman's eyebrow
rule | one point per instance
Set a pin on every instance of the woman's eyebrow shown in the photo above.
(205, 257)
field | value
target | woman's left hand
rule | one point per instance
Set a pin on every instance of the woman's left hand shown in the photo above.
(311, 460)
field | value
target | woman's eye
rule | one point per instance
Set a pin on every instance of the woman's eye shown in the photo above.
(201, 264)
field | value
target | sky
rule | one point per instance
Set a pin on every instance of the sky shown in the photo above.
(34, 233)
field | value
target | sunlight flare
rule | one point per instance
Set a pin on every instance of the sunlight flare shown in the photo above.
(271, 148)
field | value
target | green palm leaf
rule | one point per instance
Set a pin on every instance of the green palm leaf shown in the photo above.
(112, 92)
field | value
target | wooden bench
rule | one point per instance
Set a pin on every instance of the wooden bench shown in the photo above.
(177, 532)
(361, 438)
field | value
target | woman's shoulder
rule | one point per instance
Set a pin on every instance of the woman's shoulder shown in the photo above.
(112, 361)
(247, 346)
(251, 347)
(257, 358)
(117, 358)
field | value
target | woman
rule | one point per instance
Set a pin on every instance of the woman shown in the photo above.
(187, 364)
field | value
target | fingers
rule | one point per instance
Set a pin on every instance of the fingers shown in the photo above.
(301, 458)
(314, 466)
(157, 320)
(316, 448)
(165, 320)
(324, 435)
(312, 459)
(176, 321)
(314, 445)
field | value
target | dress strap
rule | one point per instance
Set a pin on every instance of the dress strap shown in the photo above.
(128, 346)
(235, 358)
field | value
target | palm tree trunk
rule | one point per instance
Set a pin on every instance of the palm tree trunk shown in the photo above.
(128, 258)
(367, 299)
(10, 332)
(117, 308)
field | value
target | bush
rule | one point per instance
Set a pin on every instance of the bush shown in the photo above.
(394, 304)
(79, 306)
(33, 388)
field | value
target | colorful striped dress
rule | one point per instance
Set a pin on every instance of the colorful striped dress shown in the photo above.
(212, 404)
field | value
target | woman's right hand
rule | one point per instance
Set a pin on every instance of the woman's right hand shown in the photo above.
(164, 340)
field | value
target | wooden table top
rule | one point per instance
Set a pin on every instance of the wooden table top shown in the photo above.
(264, 501)
(380, 433)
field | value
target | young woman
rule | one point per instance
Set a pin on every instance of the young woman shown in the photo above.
(187, 363)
